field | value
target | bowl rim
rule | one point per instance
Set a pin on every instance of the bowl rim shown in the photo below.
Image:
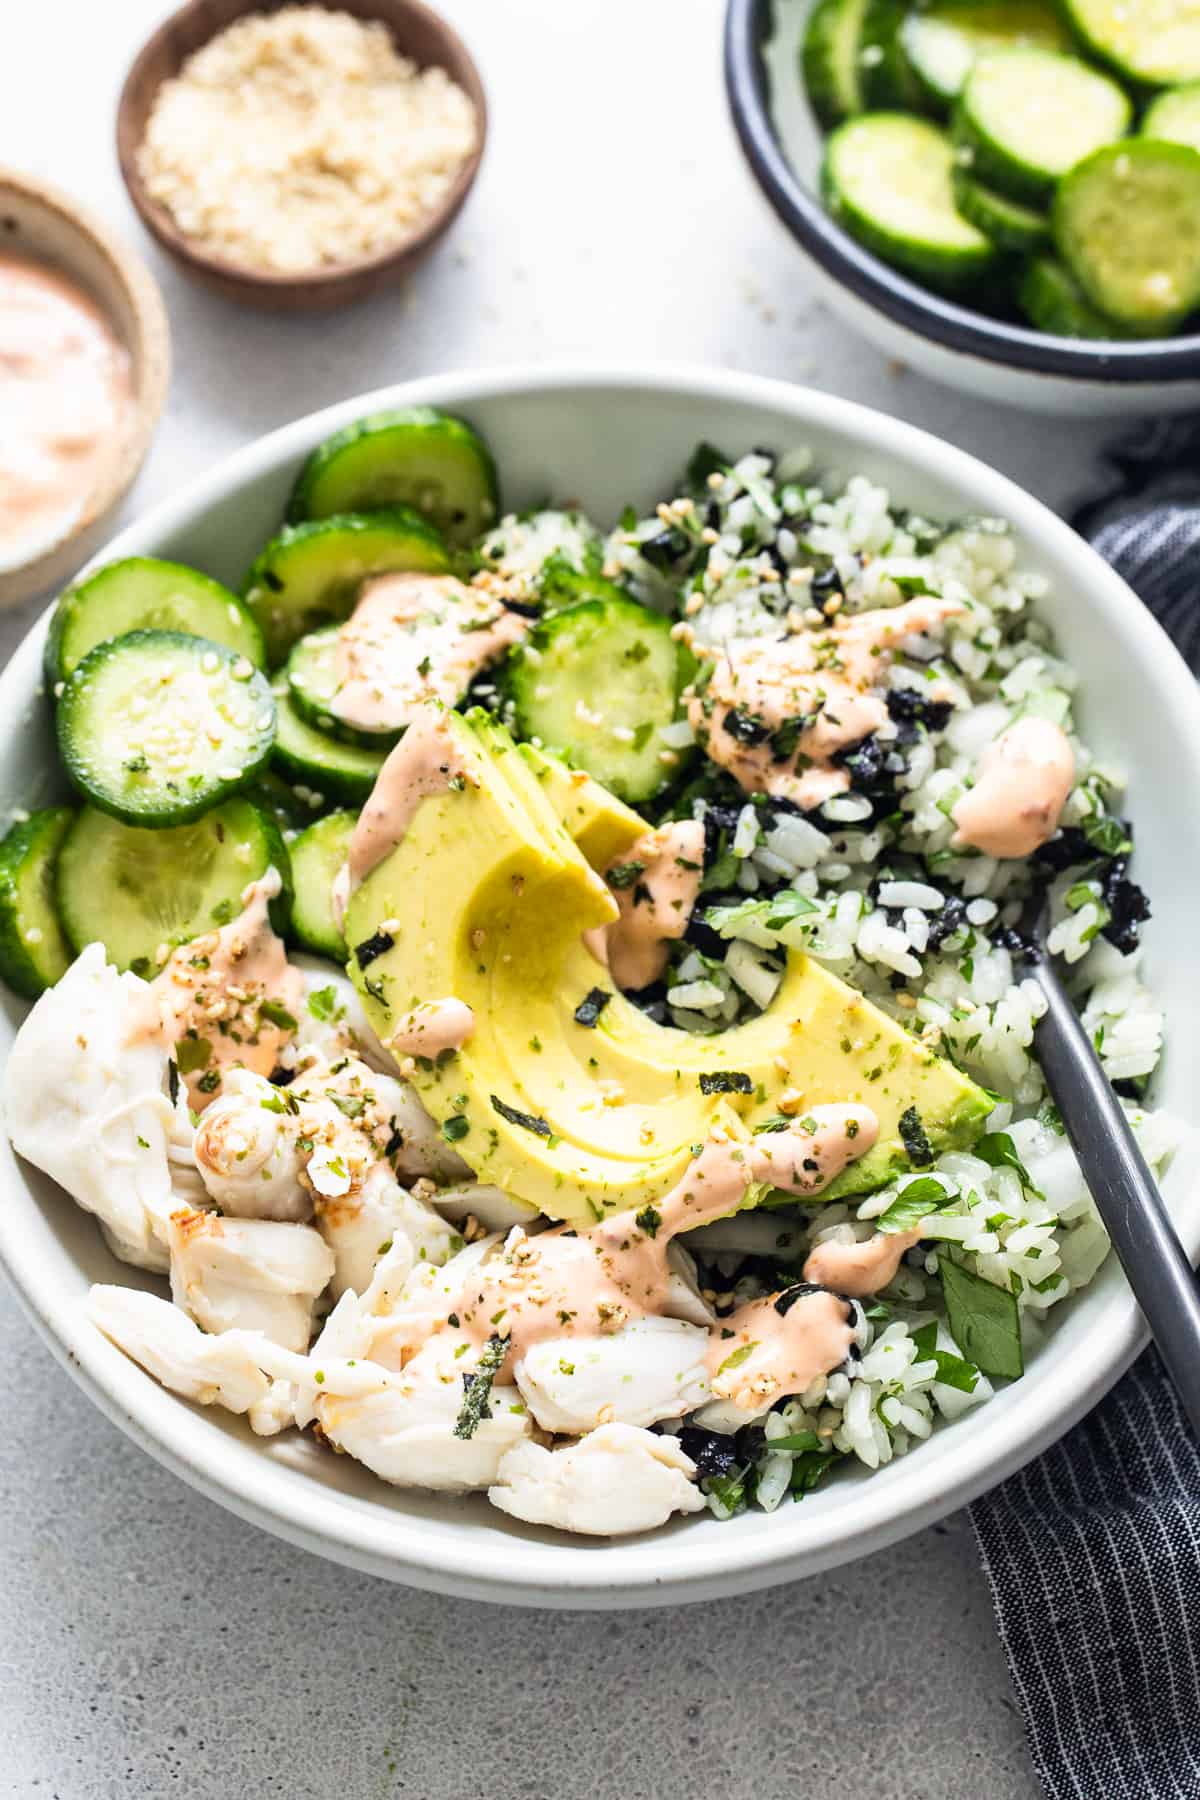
(149, 352)
(159, 222)
(685, 1566)
(917, 309)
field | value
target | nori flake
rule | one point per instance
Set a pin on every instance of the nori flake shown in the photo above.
(370, 948)
(477, 1387)
(916, 1142)
(591, 1006)
(528, 1121)
(725, 1081)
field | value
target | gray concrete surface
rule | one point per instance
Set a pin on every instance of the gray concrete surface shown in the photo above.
(150, 1644)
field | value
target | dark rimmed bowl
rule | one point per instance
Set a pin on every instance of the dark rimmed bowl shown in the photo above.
(417, 31)
(945, 339)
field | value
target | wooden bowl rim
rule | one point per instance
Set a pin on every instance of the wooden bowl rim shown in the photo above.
(159, 222)
(149, 346)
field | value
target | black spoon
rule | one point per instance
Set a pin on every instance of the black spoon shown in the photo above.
(1126, 1193)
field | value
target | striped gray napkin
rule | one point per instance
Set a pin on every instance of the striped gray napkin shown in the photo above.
(1093, 1551)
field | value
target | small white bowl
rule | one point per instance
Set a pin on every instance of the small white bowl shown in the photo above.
(44, 225)
(606, 439)
(998, 359)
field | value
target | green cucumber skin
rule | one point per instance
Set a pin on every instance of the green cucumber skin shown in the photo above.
(311, 759)
(633, 774)
(994, 164)
(1143, 79)
(30, 849)
(1010, 226)
(85, 881)
(954, 272)
(311, 573)
(317, 854)
(160, 805)
(887, 77)
(1174, 117)
(1079, 247)
(829, 59)
(315, 712)
(1050, 32)
(68, 640)
(1053, 301)
(341, 474)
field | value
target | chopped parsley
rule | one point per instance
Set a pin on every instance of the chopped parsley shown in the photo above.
(984, 1320)
(999, 1152)
(455, 1128)
(275, 1014)
(192, 1053)
(323, 1003)
(624, 875)
(209, 1082)
(648, 1220)
(737, 1357)
(351, 1105)
(915, 1201)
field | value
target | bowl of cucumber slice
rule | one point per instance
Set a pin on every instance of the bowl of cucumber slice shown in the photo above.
(1007, 197)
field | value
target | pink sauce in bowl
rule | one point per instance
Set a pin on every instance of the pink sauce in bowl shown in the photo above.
(66, 406)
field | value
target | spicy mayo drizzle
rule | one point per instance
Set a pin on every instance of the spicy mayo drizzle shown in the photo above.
(775, 714)
(65, 403)
(210, 996)
(664, 869)
(1021, 786)
(588, 1284)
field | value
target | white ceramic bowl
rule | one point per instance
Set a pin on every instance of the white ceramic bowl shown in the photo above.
(605, 439)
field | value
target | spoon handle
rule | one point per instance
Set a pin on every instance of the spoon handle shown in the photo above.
(1125, 1191)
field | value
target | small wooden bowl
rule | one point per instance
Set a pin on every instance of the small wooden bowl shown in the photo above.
(418, 33)
(41, 223)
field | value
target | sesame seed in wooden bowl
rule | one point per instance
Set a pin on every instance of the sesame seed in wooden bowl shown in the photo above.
(298, 157)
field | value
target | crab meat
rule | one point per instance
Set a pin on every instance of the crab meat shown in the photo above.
(382, 1217)
(252, 1274)
(401, 1426)
(650, 1369)
(247, 1152)
(91, 1108)
(614, 1481)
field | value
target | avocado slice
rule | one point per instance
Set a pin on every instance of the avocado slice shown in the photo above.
(601, 825)
(492, 896)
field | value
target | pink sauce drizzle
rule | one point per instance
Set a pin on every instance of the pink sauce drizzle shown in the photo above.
(432, 1027)
(1021, 786)
(588, 1284)
(761, 1354)
(424, 763)
(820, 677)
(412, 639)
(655, 907)
(862, 1268)
(210, 992)
(65, 404)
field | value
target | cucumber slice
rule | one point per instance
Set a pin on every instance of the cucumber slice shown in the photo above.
(319, 763)
(317, 855)
(140, 593)
(1152, 41)
(1027, 116)
(313, 684)
(311, 573)
(416, 457)
(943, 40)
(135, 891)
(156, 726)
(34, 953)
(886, 74)
(1052, 299)
(1175, 116)
(290, 810)
(1127, 222)
(1010, 225)
(413, 639)
(829, 59)
(595, 682)
(888, 179)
